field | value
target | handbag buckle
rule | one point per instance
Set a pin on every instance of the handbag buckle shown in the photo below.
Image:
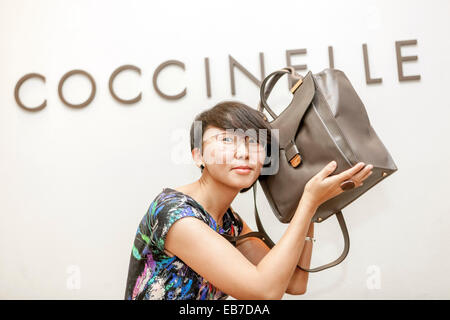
(295, 161)
(292, 154)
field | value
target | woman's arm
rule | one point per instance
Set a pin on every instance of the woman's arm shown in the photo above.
(220, 263)
(300, 223)
(254, 249)
(299, 280)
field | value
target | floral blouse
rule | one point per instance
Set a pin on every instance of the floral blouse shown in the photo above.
(153, 275)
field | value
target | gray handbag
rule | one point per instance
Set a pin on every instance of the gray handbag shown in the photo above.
(325, 121)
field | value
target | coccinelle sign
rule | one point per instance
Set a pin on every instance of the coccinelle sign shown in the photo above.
(232, 63)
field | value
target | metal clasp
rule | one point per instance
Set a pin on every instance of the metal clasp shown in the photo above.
(292, 154)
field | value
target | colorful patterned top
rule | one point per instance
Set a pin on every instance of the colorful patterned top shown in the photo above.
(153, 275)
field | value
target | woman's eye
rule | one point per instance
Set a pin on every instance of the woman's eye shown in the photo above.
(227, 139)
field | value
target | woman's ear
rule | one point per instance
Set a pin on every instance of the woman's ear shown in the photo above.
(197, 156)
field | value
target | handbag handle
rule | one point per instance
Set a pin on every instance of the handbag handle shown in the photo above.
(261, 233)
(264, 93)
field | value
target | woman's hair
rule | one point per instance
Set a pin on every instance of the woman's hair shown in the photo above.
(232, 115)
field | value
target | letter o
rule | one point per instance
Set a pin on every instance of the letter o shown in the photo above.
(64, 78)
(17, 89)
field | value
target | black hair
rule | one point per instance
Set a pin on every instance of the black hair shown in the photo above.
(232, 115)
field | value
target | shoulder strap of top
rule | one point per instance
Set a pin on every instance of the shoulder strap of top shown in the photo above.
(238, 220)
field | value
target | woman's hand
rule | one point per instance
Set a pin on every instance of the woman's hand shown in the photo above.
(321, 188)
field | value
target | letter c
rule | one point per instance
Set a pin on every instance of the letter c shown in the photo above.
(155, 78)
(17, 89)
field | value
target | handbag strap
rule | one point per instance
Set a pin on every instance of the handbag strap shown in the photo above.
(340, 218)
(265, 91)
(261, 233)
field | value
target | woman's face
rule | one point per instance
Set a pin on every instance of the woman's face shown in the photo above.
(226, 150)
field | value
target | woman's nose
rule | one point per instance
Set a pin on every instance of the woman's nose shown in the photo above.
(241, 148)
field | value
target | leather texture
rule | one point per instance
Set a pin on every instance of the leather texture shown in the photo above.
(325, 120)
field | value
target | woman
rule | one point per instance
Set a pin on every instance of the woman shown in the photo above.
(174, 258)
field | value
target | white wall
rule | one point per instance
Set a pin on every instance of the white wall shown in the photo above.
(74, 184)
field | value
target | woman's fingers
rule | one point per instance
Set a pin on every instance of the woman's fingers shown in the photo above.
(366, 176)
(362, 175)
(347, 174)
(327, 170)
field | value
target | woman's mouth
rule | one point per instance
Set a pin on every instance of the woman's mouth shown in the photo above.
(242, 169)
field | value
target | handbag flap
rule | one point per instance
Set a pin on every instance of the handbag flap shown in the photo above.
(288, 121)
